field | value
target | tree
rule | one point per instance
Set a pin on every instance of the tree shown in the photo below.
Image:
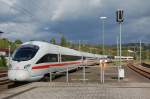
(13, 46)
(53, 41)
(3, 62)
(18, 41)
(63, 41)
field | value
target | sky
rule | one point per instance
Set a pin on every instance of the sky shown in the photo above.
(75, 19)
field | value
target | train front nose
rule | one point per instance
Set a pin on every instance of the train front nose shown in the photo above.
(18, 75)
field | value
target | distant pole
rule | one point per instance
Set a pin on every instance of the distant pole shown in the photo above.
(9, 54)
(103, 35)
(70, 43)
(79, 45)
(147, 55)
(135, 53)
(140, 51)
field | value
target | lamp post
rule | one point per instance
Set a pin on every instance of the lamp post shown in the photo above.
(103, 30)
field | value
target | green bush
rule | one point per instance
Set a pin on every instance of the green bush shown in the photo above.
(3, 62)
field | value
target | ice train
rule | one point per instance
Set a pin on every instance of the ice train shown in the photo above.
(35, 59)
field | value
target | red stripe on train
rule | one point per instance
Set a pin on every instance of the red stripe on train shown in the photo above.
(54, 65)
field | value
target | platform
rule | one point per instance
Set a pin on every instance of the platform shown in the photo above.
(41, 90)
(133, 86)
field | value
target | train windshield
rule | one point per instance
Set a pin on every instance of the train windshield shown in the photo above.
(25, 53)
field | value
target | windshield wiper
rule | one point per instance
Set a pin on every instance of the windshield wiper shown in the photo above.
(18, 60)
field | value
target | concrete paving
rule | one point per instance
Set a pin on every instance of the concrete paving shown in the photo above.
(133, 86)
(92, 75)
(42, 90)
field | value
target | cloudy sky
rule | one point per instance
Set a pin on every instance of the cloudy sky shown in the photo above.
(75, 19)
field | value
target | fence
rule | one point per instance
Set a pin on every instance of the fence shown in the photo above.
(86, 73)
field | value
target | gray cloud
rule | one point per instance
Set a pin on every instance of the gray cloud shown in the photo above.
(76, 19)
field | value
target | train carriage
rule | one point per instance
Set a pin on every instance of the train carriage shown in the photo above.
(35, 59)
(32, 60)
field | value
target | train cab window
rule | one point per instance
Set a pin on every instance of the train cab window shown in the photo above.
(70, 58)
(48, 58)
(25, 52)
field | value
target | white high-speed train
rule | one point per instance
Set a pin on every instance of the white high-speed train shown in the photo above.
(35, 59)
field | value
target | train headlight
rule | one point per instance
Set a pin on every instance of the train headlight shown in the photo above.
(27, 66)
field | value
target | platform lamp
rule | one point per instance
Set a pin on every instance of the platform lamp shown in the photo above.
(103, 30)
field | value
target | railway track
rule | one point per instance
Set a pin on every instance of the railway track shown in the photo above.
(3, 78)
(141, 70)
(5, 83)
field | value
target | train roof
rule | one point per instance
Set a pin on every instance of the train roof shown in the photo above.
(54, 48)
(63, 50)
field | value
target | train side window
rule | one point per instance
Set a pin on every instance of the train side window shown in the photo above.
(84, 58)
(70, 58)
(48, 58)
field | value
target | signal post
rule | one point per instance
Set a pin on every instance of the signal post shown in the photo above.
(120, 19)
